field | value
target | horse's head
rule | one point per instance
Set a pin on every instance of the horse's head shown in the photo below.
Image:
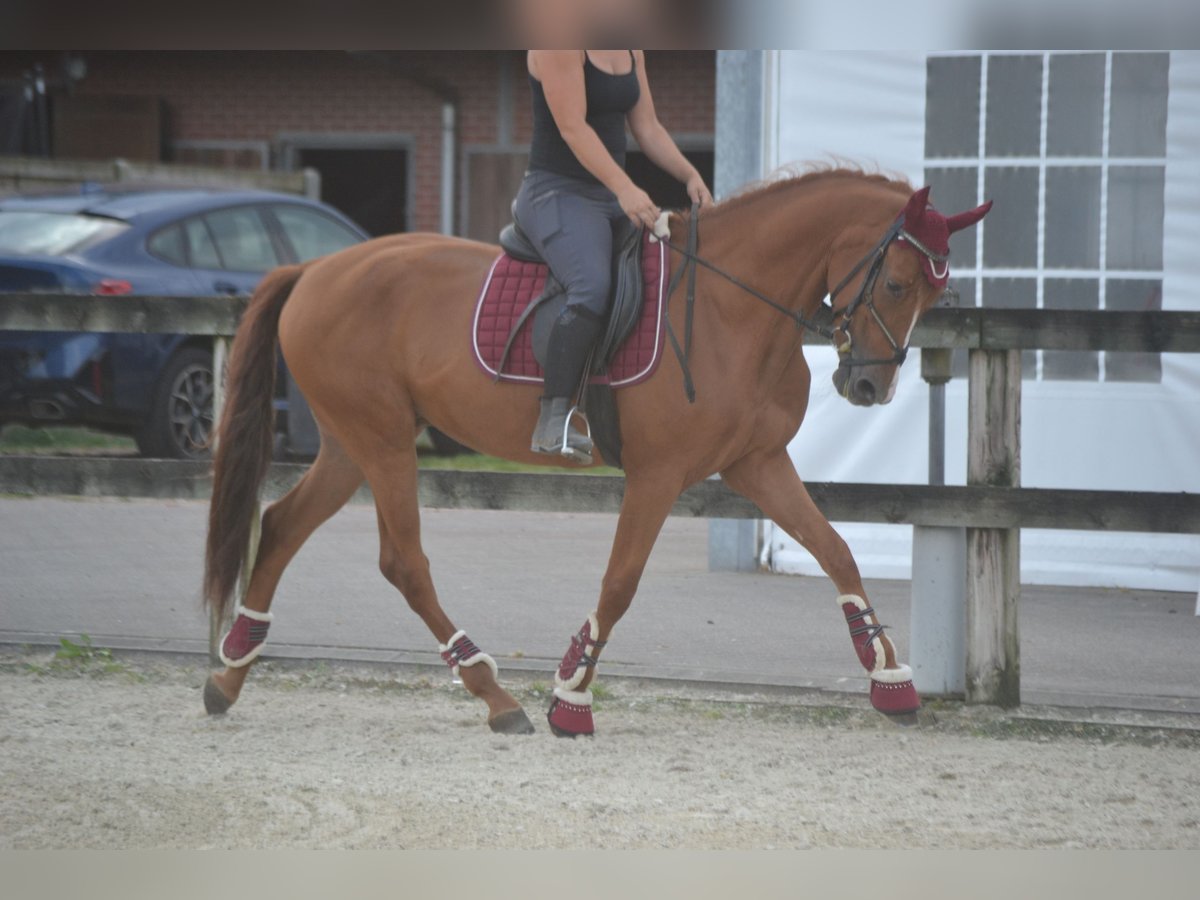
(903, 275)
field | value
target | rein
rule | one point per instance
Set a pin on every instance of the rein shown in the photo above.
(840, 335)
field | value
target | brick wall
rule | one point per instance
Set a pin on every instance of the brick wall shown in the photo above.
(263, 95)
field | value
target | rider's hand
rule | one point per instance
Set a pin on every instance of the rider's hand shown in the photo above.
(698, 192)
(637, 204)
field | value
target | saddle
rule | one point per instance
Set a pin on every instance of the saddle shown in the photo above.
(520, 300)
(625, 308)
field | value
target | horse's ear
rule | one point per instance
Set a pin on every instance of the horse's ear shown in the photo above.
(967, 219)
(914, 212)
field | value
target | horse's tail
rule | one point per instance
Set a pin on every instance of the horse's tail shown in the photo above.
(245, 439)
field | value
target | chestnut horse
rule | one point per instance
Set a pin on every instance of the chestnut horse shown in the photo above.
(377, 338)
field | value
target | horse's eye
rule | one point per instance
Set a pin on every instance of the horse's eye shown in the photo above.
(894, 287)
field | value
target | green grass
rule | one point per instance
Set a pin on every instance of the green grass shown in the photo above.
(82, 657)
(18, 439)
(479, 463)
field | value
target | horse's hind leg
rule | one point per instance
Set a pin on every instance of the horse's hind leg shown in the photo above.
(403, 562)
(286, 525)
(770, 480)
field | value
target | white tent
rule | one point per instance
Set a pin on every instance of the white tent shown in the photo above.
(1098, 206)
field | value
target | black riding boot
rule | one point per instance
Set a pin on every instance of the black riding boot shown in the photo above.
(571, 339)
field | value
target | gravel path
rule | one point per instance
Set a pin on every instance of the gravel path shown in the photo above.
(103, 752)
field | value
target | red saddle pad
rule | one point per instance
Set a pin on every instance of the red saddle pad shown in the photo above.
(512, 285)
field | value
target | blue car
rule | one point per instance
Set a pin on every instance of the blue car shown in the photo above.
(111, 242)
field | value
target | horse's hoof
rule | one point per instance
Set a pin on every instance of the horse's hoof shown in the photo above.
(561, 733)
(215, 702)
(512, 722)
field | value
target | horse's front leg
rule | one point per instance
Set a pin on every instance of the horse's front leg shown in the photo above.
(647, 502)
(770, 481)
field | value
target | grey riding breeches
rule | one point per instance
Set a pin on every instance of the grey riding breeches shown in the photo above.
(570, 223)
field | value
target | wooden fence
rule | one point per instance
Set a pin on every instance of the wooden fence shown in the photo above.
(29, 174)
(992, 506)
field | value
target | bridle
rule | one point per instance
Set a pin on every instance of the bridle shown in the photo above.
(866, 297)
(839, 335)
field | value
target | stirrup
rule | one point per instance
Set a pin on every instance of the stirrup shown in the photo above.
(565, 448)
(561, 445)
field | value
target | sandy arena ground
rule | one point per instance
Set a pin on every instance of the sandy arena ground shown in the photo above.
(116, 752)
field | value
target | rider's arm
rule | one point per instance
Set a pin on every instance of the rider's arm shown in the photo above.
(657, 144)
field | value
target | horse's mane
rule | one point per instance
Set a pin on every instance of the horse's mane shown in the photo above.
(790, 177)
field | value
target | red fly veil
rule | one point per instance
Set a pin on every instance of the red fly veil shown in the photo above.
(932, 231)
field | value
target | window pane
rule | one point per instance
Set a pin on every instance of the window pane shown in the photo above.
(168, 245)
(1014, 293)
(202, 253)
(960, 292)
(1010, 293)
(1010, 229)
(1139, 104)
(1014, 105)
(1071, 365)
(1135, 217)
(1138, 296)
(1075, 111)
(952, 106)
(27, 231)
(954, 190)
(312, 233)
(1073, 218)
(242, 239)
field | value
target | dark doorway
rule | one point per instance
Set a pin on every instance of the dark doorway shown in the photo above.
(662, 188)
(370, 185)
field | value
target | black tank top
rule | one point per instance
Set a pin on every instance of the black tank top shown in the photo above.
(609, 98)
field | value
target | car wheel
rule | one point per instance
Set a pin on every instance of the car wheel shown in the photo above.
(180, 423)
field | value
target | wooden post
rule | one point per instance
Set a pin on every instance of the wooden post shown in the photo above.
(220, 357)
(216, 623)
(993, 554)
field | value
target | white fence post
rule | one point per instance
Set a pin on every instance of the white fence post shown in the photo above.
(937, 614)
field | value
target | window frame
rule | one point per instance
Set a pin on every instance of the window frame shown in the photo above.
(1043, 164)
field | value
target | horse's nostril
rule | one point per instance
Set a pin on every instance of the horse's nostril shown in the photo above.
(865, 390)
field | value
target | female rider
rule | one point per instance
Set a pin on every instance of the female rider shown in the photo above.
(573, 192)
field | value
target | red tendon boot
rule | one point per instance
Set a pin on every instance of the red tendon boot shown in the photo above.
(580, 656)
(245, 639)
(892, 690)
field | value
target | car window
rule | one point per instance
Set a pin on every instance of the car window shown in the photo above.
(202, 252)
(313, 233)
(168, 245)
(242, 240)
(29, 231)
